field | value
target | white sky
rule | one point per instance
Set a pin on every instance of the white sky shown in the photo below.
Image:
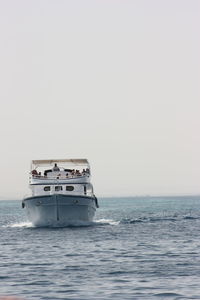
(113, 81)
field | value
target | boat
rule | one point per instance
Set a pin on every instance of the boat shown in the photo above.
(61, 193)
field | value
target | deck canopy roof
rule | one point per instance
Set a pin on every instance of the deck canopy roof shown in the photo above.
(73, 161)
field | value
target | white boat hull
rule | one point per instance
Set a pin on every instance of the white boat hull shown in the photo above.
(60, 210)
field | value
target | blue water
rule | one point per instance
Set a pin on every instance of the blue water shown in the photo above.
(137, 248)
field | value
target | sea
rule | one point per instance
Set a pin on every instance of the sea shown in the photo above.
(136, 248)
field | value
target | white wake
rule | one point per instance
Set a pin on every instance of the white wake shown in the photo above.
(19, 225)
(68, 224)
(107, 222)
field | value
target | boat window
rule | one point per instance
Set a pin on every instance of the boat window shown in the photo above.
(69, 188)
(58, 188)
(47, 188)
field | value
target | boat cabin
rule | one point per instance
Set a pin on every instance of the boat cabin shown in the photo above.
(66, 189)
(63, 176)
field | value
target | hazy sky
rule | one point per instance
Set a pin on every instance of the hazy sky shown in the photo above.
(113, 81)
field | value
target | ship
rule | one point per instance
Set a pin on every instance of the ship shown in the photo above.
(61, 193)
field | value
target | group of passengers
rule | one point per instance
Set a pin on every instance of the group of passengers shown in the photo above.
(69, 172)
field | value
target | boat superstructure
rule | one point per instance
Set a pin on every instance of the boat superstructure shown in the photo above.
(61, 192)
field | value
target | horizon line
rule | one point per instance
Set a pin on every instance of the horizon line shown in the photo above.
(125, 196)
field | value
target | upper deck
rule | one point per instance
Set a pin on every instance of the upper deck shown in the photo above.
(59, 171)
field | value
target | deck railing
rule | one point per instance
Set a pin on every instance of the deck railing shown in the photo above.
(58, 176)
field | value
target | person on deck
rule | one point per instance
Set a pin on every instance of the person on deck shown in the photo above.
(56, 168)
(34, 172)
